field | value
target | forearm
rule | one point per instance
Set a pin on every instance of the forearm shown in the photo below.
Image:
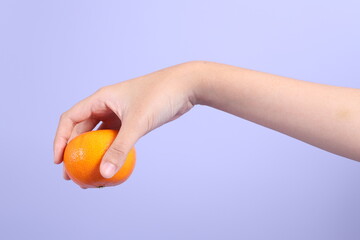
(324, 116)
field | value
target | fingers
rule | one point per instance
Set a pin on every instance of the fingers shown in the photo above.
(68, 120)
(65, 175)
(67, 178)
(84, 126)
(114, 123)
(116, 155)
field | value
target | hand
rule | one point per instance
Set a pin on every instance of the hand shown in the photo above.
(136, 107)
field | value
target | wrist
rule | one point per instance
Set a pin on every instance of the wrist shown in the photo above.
(201, 72)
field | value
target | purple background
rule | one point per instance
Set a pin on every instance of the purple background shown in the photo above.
(208, 175)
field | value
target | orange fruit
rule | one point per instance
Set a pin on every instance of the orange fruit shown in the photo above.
(82, 158)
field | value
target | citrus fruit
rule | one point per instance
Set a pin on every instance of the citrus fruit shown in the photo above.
(82, 158)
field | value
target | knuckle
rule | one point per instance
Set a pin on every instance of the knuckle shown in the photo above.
(117, 154)
(63, 116)
(102, 95)
(102, 90)
(118, 150)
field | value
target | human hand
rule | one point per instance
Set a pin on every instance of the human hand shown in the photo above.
(136, 107)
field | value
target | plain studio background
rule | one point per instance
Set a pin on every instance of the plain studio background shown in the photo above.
(208, 175)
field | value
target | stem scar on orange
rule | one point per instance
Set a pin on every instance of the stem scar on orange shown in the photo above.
(82, 158)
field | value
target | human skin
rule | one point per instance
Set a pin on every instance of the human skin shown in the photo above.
(325, 116)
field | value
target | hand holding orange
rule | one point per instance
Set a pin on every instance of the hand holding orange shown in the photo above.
(82, 158)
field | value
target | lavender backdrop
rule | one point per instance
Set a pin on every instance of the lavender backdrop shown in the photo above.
(208, 175)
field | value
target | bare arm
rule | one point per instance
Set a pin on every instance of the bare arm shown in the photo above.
(322, 115)
(325, 116)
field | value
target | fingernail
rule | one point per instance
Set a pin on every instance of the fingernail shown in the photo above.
(108, 170)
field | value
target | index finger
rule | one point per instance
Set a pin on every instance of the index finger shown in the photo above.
(78, 113)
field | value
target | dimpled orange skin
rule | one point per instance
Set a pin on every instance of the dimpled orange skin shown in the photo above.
(82, 158)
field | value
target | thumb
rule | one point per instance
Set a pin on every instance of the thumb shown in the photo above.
(116, 155)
